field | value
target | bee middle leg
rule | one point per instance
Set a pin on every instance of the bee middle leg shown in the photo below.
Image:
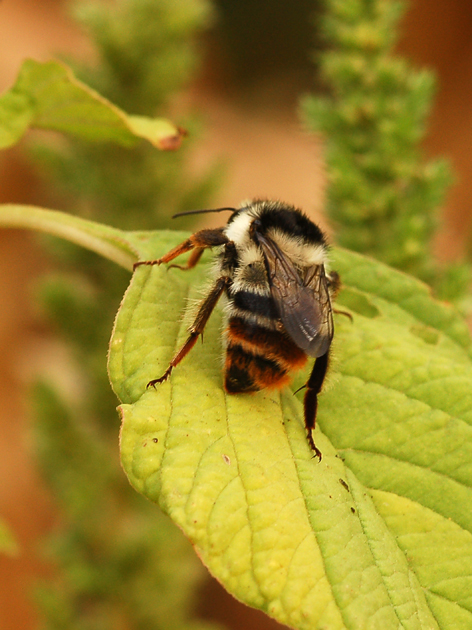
(197, 328)
(313, 388)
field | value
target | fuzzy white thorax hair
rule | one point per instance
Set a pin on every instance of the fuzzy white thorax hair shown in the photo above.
(238, 230)
(300, 252)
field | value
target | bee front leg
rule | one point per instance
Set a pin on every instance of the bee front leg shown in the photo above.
(197, 328)
(192, 260)
(313, 388)
(199, 242)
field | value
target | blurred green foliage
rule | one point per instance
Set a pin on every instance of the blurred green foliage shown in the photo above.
(383, 198)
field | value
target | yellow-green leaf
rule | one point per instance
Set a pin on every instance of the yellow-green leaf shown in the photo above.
(376, 536)
(309, 542)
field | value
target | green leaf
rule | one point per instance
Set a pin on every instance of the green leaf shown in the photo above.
(48, 96)
(377, 535)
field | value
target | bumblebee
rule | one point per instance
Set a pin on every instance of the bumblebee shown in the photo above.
(271, 266)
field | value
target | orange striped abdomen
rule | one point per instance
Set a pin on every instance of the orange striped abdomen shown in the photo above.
(258, 358)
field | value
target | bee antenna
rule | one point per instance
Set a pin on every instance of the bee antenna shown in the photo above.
(184, 214)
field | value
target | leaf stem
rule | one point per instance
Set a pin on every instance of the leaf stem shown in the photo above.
(109, 242)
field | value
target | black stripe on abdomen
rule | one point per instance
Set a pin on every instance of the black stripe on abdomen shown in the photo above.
(255, 304)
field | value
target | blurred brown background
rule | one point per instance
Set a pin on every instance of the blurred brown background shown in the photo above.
(267, 154)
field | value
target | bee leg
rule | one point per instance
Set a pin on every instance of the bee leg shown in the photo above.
(313, 388)
(338, 312)
(334, 283)
(196, 329)
(192, 260)
(200, 240)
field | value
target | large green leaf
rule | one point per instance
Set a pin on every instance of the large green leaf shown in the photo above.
(48, 96)
(376, 536)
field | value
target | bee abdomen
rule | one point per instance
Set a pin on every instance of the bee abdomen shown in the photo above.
(257, 357)
(246, 372)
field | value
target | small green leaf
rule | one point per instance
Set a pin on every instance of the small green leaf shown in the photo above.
(48, 96)
(315, 545)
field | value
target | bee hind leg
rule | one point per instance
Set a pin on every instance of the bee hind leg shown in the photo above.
(313, 388)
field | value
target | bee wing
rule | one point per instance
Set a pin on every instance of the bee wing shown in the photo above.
(303, 304)
(316, 280)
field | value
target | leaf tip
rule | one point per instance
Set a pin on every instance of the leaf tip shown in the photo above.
(172, 142)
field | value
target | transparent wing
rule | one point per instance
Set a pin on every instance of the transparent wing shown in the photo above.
(315, 279)
(303, 303)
